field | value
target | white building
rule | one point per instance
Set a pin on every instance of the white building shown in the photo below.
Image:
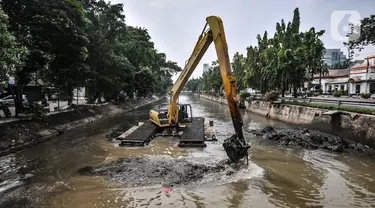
(81, 92)
(362, 77)
(335, 79)
(359, 79)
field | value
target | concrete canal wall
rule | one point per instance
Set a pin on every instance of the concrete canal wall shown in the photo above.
(19, 134)
(357, 127)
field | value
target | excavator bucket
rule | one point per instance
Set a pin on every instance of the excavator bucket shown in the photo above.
(235, 149)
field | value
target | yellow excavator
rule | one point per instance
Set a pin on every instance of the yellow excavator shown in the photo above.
(236, 146)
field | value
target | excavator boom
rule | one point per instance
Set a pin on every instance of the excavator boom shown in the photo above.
(235, 146)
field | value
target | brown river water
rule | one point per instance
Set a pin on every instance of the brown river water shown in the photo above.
(46, 175)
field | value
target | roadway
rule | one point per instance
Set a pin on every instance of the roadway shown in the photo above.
(63, 105)
(347, 102)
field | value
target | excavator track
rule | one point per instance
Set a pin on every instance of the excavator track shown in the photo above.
(138, 135)
(193, 135)
(142, 134)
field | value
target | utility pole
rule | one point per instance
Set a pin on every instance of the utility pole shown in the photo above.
(350, 52)
(367, 71)
(350, 68)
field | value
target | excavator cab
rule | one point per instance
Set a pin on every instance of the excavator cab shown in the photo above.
(160, 117)
(185, 114)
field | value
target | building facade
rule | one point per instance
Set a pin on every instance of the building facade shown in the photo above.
(360, 78)
(335, 79)
(333, 56)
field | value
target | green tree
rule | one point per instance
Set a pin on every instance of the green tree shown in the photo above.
(122, 58)
(142, 55)
(285, 61)
(281, 62)
(239, 70)
(253, 73)
(314, 48)
(54, 33)
(11, 53)
(193, 84)
(109, 65)
(364, 34)
(296, 54)
(262, 62)
(162, 70)
(206, 84)
(216, 78)
(212, 81)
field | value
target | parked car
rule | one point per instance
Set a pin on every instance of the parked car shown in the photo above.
(5, 109)
(9, 100)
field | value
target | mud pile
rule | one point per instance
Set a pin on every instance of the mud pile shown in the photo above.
(310, 139)
(147, 171)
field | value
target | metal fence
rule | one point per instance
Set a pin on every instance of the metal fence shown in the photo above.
(334, 102)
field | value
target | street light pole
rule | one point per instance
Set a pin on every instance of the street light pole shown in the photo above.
(367, 71)
(350, 67)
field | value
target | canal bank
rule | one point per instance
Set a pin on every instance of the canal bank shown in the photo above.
(20, 134)
(354, 126)
(49, 174)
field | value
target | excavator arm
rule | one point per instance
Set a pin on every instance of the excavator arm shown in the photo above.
(235, 146)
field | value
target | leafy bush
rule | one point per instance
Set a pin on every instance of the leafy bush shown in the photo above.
(244, 95)
(271, 96)
(315, 94)
(337, 93)
(344, 92)
(37, 110)
(299, 94)
(121, 97)
(366, 95)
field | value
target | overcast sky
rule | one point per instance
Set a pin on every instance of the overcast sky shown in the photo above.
(175, 25)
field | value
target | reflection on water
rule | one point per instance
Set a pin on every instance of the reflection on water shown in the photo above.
(46, 175)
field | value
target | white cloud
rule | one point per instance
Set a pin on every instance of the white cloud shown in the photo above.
(158, 3)
(304, 3)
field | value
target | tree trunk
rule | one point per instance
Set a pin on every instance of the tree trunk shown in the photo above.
(320, 83)
(283, 89)
(58, 100)
(70, 95)
(18, 99)
(99, 96)
(107, 98)
(96, 97)
(294, 92)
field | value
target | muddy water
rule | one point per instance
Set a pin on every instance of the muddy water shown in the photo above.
(46, 175)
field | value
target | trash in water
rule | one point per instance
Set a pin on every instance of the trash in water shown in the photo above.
(167, 188)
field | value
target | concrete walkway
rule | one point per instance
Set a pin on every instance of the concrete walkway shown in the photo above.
(52, 106)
